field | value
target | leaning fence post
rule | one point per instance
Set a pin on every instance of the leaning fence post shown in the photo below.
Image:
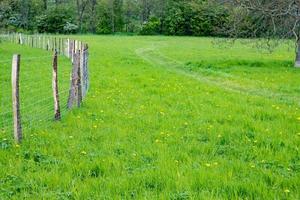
(57, 115)
(15, 98)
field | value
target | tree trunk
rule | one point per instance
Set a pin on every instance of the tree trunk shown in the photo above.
(93, 19)
(112, 16)
(297, 62)
(45, 4)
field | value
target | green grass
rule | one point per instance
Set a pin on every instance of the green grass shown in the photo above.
(166, 118)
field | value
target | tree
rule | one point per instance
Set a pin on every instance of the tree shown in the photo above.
(116, 12)
(93, 16)
(57, 20)
(104, 22)
(152, 27)
(81, 8)
(269, 19)
(131, 16)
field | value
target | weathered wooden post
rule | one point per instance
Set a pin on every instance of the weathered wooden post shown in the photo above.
(38, 39)
(58, 46)
(86, 67)
(79, 84)
(73, 49)
(16, 99)
(48, 45)
(81, 69)
(75, 93)
(57, 115)
(31, 41)
(20, 39)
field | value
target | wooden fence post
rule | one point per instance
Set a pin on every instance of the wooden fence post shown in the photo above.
(15, 98)
(82, 59)
(57, 115)
(58, 46)
(75, 93)
(31, 41)
(72, 50)
(48, 43)
(86, 67)
(20, 39)
(79, 84)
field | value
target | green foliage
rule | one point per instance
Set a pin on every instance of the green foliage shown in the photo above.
(57, 20)
(207, 19)
(104, 21)
(152, 27)
(194, 18)
(174, 22)
(151, 17)
(70, 28)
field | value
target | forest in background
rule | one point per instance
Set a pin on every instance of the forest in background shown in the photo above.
(146, 17)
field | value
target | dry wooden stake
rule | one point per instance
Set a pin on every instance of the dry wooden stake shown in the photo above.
(75, 76)
(79, 86)
(57, 115)
(16, 98)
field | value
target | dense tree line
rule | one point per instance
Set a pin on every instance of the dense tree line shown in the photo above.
(170, 17)
(229, 18)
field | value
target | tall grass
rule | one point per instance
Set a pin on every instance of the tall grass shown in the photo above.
(167, 118)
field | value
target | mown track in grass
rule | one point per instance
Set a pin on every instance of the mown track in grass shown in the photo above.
(216, 77)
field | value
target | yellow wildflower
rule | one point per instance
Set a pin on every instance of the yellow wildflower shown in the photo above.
(287, 191)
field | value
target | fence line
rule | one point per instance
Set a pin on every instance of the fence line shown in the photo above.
(37, 98)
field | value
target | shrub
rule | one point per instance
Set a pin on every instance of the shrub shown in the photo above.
(56, 21)
(207, 19)
(152, 27)
(70, 28)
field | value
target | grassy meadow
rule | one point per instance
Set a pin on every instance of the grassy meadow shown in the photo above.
(165, 118)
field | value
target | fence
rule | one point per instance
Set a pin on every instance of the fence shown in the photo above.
(39, 88)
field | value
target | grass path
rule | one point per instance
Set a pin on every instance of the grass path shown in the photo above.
(225, 80)
(158, 123)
